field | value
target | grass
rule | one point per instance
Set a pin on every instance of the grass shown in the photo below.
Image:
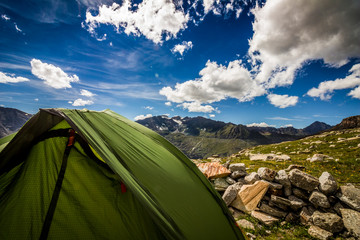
(345, 166)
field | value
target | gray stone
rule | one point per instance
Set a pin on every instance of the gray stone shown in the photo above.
(350, 196)
(252, 178)
(220, 184)
(237, 167)
(250, 236)
(300, 193)
(305, 215)
(303, 180)
(328, 221)
(319, 233)
(319, 199)
(272, 211)
(231, 193)
(282, 178)
(292, 217)
(245, 224)
(266, 173)
(337, 207)
(230, 181)
(295, 166)
(328, 185)
(296, 203)
(274, 186)
(351, 220)
(238, 174)
(318, 158)
(280, 202)
(235, 213)
(264, 218)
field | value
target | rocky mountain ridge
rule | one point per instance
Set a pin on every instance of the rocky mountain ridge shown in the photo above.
(199, 137)
(11, 120)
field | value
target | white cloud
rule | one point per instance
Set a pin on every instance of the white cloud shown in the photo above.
(181, 48)
(52, 75)
(103, 38)
(289, 33)
(280, 118)
(142, 117)
(86, 93)
(217, 82)
(80, 102)
(168, 104)
(36, 99)
(212, 115)
(197, 107)
(282, 101)
(151, 18)
(355, 93)
(4, 78)
(324, 90)
(17, 28)
(262, 124)
(149, 108)
(5, 17)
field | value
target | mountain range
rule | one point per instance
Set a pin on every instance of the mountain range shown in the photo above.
(200, 137)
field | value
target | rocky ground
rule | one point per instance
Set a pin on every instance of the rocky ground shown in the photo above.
(282, 191)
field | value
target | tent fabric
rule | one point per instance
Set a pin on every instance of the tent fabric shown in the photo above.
(166, 196)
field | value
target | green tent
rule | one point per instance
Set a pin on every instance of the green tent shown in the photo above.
(79, 174)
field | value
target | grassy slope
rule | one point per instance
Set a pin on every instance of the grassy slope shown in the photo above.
(345, 170)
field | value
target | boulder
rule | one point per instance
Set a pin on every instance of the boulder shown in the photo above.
(350, 196)
(319, 233)
(236, 214)
(220, 184)
(265, 208)
(238, 174)
(300, 193)
(252, 178)
(328, 185)
(328, 221)
(264, 218)
(305, 215)
(213, 170)
(337, 208)
(292, 217)
(282, 178)
(237, 167)
(303, 180)
(230, 181)
(280, 202)
(351, 221)
(318, 158)
(249, 196)
(243, 223)
(319, 199)
(296, 203)
(231, 193)
(266, 173)
(261, 157)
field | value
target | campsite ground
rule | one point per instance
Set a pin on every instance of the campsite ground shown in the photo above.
(343, 162)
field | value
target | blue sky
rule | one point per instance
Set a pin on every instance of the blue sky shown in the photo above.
(273, 62)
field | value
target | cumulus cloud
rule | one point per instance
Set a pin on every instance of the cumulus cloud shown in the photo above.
(86, 93)
(287, 125)
(5, 78)
(151, 18)
(53, 76)
(181, 48)
(149, 108)
(325, 89)
(168, 104)
(5, 17)
(80, 102)
(282, 101)
(355, 93)
(262, 124)
(142, 117)
(216, 83)
(197, 107)
(289, 33)
(212, 115)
